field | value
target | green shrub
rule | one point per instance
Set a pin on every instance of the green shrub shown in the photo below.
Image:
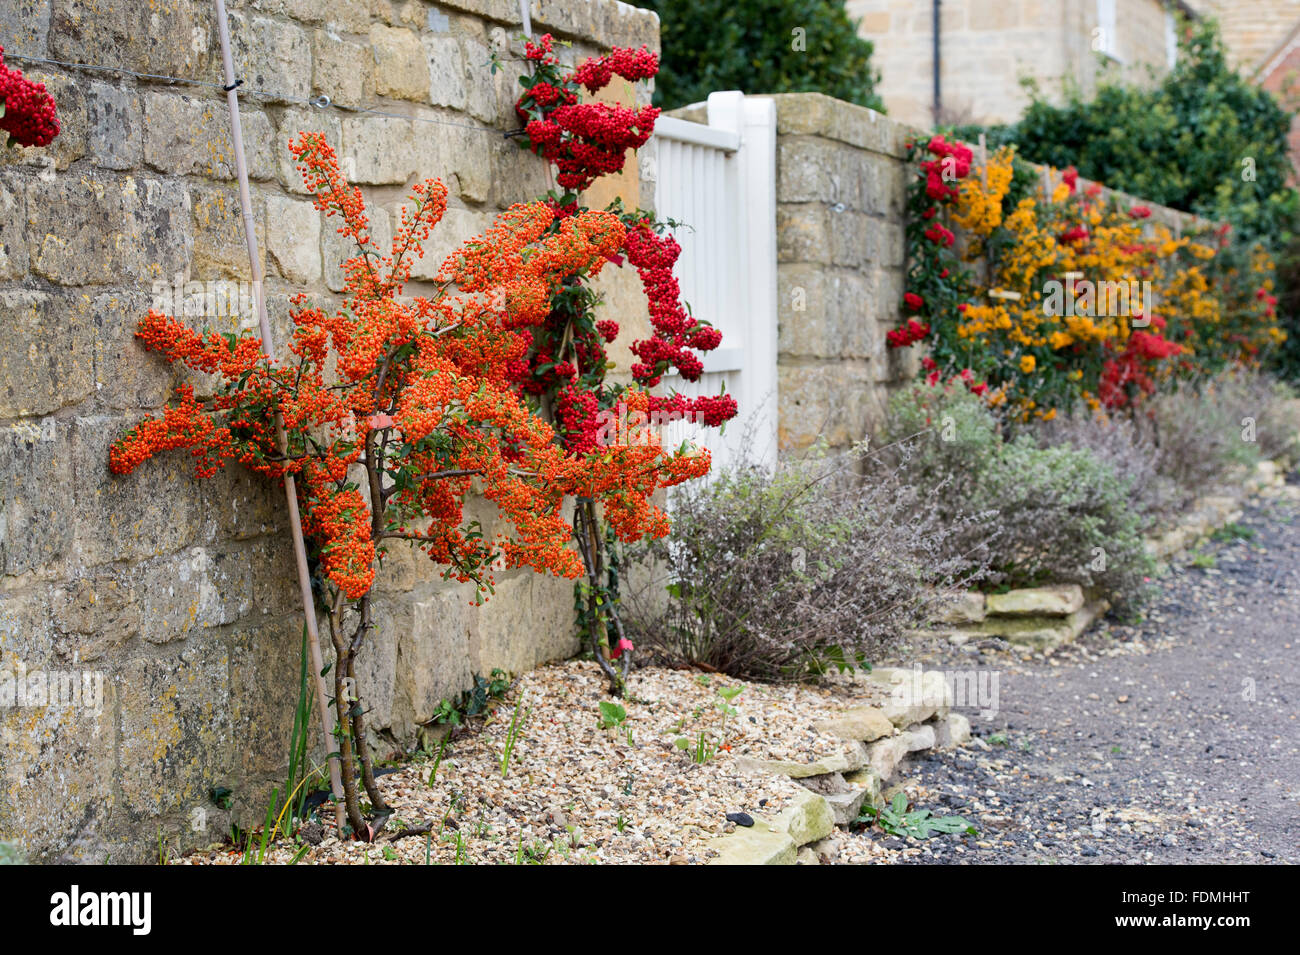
(1182, 143)
(751, 45)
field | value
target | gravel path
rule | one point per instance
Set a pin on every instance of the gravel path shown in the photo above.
(1174, 740)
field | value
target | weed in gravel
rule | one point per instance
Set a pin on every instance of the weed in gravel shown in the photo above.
(702, 750)
(896, 820)
(612, 715)
(512, 736)
(1233, 532)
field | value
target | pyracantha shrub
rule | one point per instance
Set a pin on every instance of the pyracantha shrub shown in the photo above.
(584, 141)
(393, 407)
(1081, 298)
(27, 112)
(567, 365)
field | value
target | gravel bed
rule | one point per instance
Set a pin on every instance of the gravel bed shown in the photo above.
(1172, 739)
(576, 793)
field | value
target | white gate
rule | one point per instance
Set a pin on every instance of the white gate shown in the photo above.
(719, 181)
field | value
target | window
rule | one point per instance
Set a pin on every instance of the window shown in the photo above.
(1105, 37)
(1171, 38)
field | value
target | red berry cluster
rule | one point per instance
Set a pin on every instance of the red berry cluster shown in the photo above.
(584, 141)
(29, 113)
(626, 62)
(676, 334)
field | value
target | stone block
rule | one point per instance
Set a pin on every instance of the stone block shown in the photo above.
(172, 37)
(264, 684)
(530, 603)
(156, 510)
(914, 695)
(846, 761)
(293, 228)
(829, 313)
(400, 68)
(188, 136)
(884, 755)
(433, 659)
(271, 56)
(47, 351)
(220, 247)
(194, 590)
(339, 68)
(13, 220)
(802, 233)
(37, 510)
(174, 729)
(919, 736)
(1036, 602)
(834, 400)
(864, 723)
(115, 126)
(966, 606)
(807, 819)
(95, 614)
(127, 375)
(57, 775)
(25, 27)
(756, 845)
(125, 227)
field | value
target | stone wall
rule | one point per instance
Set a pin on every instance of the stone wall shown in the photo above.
(841, 189)
(841, 183)
(179, 594)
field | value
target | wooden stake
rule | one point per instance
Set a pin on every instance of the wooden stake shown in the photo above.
(268, 347)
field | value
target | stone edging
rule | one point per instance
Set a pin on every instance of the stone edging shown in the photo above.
(1044, 618)
(876, 741)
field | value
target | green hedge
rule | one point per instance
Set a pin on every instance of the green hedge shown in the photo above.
(752, 45)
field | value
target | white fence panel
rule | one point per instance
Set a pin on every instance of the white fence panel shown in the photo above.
(719, 181)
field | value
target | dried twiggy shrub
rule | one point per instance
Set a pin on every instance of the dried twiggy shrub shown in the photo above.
(781, 576)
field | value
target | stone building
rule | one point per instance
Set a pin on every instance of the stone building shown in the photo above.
(1263, 41)
(987, 49)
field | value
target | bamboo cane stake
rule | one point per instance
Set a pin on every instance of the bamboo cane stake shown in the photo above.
(268, 347)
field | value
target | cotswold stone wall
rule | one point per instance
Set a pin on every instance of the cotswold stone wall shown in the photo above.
(179, 594)
(841, 183)
(841, 191)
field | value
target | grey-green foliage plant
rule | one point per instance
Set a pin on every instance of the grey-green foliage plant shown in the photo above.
(1210, 427)
(784, 574)
(1063, 515)
(9, 855)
